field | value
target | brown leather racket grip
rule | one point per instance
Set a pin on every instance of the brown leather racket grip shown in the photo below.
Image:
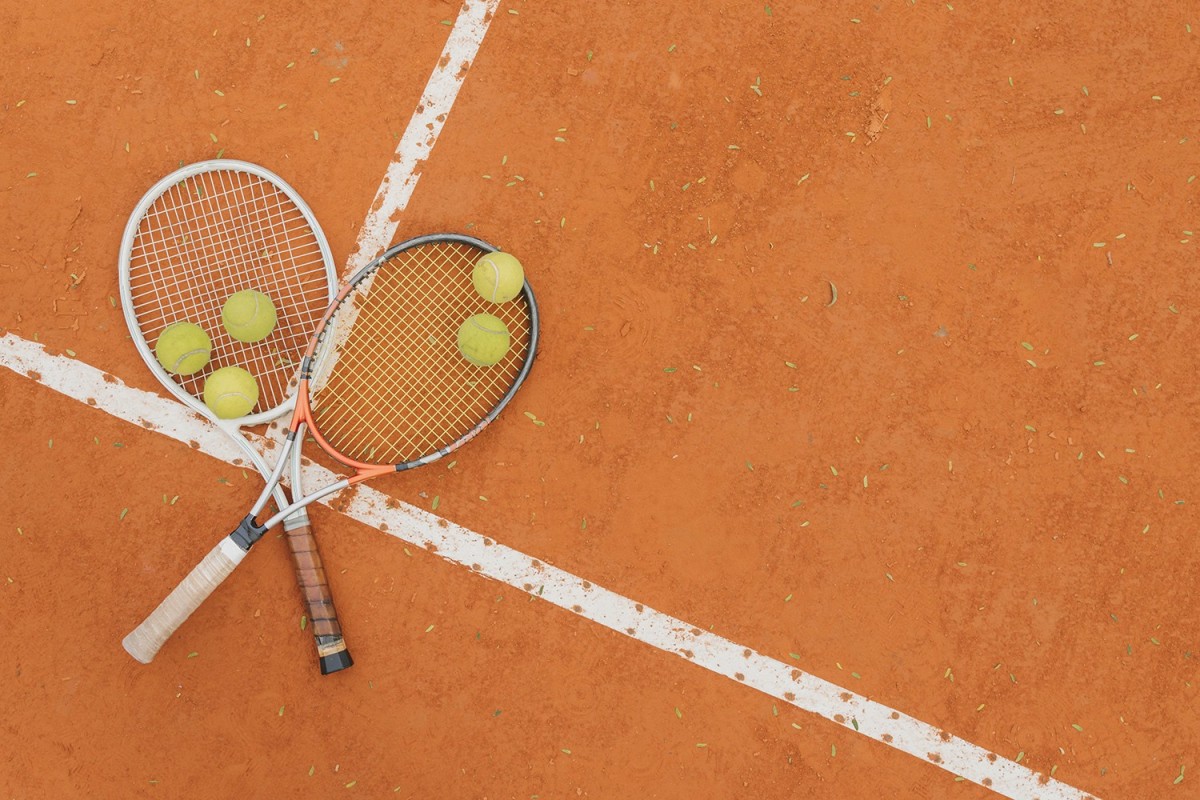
(322, 617)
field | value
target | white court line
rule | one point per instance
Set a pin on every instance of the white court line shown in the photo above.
(487, 557)
(423, 129)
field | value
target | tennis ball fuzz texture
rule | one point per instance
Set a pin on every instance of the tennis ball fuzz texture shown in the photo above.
(498, 277)
(231, 392)
(483, 340)
(183, 348)
(249, 316)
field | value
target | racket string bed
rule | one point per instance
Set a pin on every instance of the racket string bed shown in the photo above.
(213, 235)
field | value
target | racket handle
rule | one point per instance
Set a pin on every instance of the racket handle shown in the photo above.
(310, 574)
(144, 642)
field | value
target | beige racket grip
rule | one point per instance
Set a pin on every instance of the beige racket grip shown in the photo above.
(144, 642)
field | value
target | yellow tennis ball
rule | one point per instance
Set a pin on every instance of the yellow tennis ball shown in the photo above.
(249, 316)
(231, 392)
(183, 348)
(483, 340)
(498, 277)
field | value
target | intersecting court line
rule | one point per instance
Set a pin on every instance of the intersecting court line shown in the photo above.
(491, 559)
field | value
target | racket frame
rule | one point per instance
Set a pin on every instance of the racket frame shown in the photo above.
(302, 415)
(332, 653)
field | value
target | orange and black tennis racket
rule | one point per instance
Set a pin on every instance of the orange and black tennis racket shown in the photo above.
(383, 388)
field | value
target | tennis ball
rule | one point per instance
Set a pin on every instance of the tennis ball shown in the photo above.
(183, 348)
(483, 340)
(249, 316)
(231, 392)
(498, 277)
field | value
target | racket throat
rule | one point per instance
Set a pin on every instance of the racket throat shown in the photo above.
(248, 532)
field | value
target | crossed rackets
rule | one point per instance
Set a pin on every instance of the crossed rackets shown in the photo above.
(371, 371)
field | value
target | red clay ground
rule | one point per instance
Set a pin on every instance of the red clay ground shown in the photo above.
(964, 193)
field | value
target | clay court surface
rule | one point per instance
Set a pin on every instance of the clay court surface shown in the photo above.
(964, 490)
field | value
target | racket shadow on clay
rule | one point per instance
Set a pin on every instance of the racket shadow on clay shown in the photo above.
(383, 389)
(197, 236)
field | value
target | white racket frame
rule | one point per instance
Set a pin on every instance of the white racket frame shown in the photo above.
(232, 427)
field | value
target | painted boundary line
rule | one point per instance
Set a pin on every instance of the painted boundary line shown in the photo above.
(423, 129)
(487, 557)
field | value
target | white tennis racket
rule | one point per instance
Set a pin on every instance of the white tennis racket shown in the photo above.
(199, 235)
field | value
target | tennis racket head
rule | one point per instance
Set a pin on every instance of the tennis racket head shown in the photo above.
(384, 383)
(206, 231)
